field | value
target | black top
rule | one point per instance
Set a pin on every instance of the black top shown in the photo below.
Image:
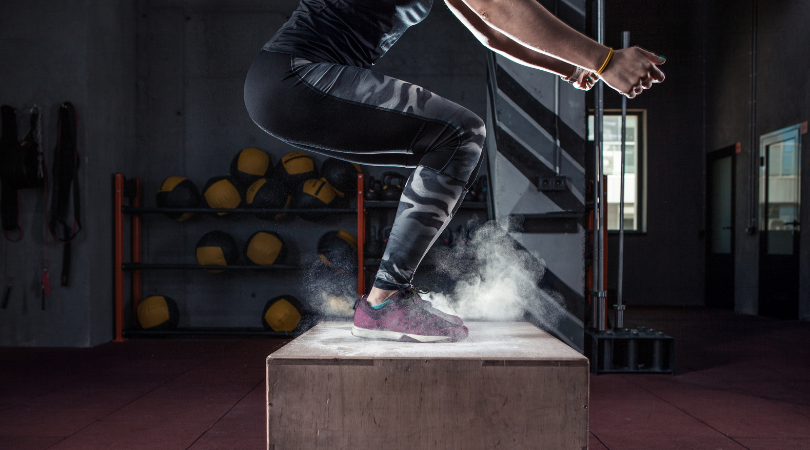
(349, 32)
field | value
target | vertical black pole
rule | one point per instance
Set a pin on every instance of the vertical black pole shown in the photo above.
(619, 306)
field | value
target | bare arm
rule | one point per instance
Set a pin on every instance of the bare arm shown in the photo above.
(529, 24)
(499, 42)
(502, 44)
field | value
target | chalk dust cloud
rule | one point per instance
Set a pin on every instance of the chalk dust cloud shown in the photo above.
(493, 279)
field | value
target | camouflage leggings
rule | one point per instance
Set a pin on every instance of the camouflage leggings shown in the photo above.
(368, 118)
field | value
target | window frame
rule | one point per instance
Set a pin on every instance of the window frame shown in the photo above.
(641, 166)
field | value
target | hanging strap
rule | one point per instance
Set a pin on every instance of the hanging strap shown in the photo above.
(9, 203)
(63, 226)
(65, 179)
(20, 166)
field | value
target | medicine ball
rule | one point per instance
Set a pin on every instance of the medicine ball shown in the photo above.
(178, 192)
(268, 194)
(217, 248)
(342, 175)
(222, 192)
(317, 194)
(338, 250)
(158, 312)
(249, 165)
(393, 183)
(293, 170)
(282, 313)
(265, 248)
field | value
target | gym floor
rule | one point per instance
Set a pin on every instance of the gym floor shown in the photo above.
(743, 382)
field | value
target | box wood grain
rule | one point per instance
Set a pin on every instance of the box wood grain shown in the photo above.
(509, 385)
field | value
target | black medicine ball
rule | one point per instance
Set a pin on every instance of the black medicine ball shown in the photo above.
(217, 248)
(249, 165)
(268, 194)
(158, 312)
(222, 193)
(265, 248)
(293, 170)
(338, 250)
(282, 313)
(178, 192)
(342, 175)
(317, 194)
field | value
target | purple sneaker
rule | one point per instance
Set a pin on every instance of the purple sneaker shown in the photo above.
(404, 319)
(414, 292)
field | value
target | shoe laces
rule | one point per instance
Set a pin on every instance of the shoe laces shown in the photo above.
(420, 290)
(414, 293)
(410, 289)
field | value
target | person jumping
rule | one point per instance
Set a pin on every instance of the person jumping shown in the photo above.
(311, 86)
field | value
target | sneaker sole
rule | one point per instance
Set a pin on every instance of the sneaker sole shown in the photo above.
(397, 336)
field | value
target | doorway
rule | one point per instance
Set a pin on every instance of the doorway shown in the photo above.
(720, 183)
(779, 209)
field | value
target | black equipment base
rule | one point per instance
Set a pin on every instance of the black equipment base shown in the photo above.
(640, 350)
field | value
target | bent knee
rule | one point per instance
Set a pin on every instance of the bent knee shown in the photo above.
(474, 127)
(460, 156)
(468, 155)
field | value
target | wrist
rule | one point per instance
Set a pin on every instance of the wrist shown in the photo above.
(605, 64)
(574, 76)
(600, 55)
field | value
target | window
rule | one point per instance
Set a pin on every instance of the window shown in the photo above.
(633, 168)
(779, 189)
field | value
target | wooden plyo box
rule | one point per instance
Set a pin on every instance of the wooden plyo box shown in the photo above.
(508, 385)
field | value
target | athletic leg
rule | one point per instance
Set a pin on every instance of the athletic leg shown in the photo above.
(362, 116)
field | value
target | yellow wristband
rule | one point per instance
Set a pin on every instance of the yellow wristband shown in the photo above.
(607, 60)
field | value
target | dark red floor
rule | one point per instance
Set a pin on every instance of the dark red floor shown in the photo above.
(743, 383)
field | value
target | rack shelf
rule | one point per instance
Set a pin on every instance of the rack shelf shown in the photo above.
(141, 210)
(203, 331)
(383, 204)
(147, 266)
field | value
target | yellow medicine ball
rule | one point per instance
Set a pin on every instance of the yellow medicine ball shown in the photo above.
(268, 194)
(158, 312)
(282, 313)
(250, 164)
(222, 193)
(178, 192)
(294, 169)
(217, 248)
(317, 194)
(265, 248)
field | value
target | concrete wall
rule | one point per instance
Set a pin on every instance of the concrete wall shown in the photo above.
(665, 265)
(80, 51)
(782, 99)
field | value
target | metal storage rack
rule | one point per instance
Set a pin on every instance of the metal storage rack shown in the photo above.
(131, 189)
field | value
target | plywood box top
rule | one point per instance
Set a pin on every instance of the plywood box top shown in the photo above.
(516, 342)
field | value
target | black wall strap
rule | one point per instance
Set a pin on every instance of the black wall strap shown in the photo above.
(20, 165)
(65, 171)
(64, 226)
(8, 144)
